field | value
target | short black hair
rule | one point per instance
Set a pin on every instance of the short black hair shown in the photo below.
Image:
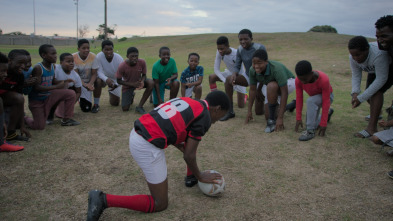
(132, 50)
(82, 41)
(261, 54)
(163, 48)
(245, 31)
(358, 42)
(106, 42)
(303, 68)
(218, 98)
(193, 54)
(386, 20)
(3, 58)
(15, 53)
(222, 40)
(44, 49)
(64, 55)
(26, 52)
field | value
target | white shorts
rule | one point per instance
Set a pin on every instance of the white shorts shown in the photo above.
(116, 92)
(223, 76)
(150, 158)
(291, 88)
(86, 94)
(189, 91)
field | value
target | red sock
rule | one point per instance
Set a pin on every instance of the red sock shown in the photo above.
(143, 203)
(189, 173)
(213, 87)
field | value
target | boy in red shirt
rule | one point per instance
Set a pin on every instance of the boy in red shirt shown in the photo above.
(317, 85)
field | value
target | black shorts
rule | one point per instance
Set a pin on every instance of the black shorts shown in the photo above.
(387, 85)
(85, 105)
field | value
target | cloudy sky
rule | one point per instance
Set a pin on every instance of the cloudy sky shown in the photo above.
(176, 17)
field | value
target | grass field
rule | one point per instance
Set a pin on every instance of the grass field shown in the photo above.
(268, 176)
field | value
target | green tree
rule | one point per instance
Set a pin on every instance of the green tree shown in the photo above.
(323, 28)
(101, 31)
(15, 33)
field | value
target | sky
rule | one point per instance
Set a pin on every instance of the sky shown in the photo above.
(176, 17)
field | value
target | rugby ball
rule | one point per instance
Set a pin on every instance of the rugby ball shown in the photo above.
(212, 189)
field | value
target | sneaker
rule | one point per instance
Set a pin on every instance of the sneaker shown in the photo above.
(69, 122)
(271, 125)
(140, 110)
(95, 108)
(307, 135)
(291, 106)
(7, 147)
(390, 174)
(49, 121)
(228, 116)
(331, 111)
(367, 118)
(190, 181)
(96, 205)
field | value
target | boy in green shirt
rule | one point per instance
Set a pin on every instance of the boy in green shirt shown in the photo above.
(165, 77)
(275, 82)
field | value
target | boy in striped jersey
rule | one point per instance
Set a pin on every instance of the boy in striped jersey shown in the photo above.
(180, 122)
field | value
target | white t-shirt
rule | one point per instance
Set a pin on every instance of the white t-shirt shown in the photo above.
(229, 60)
(108, 69)
(62, 76)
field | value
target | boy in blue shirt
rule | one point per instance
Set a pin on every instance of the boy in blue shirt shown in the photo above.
(165, 76)
(191, 78)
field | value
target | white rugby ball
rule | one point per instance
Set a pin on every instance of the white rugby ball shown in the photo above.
(211, 189)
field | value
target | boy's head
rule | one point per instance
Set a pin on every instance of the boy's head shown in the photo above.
(165, 55)
(358, 48)
(132, 55)
(223, 45)
(83, 48)
(304, 71)
(193, 60)
(28, 60)
(67, 62)
(245, 38)
(48, 53)
(219, 104)
(259, 61)
(384, 32)
(3, 66)
(16, 61)
(107, 49)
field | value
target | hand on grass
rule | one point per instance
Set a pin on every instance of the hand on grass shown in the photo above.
(298, 123)
(23, 130)
(322, 131)
(355, 101)
(249, 118)
(279, 124)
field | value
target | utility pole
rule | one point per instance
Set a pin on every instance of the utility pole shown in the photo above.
(76, 3)
(106, 25)
(34, 14)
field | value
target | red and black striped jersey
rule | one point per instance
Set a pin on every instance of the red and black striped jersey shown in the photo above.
(174, 121)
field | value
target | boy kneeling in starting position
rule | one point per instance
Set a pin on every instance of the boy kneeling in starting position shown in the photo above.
(152, 133)
(317, 85)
